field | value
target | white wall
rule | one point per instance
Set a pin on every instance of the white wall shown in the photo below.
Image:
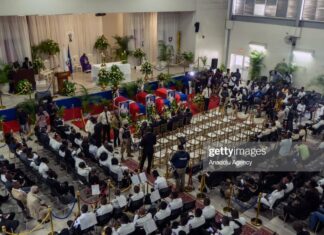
(210, 40)
(112, 24)
(273, 36)
(50, 7)
(186, 27)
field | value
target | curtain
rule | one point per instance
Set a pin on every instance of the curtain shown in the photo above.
(14, 39)
(168, 27)
(84, 29)
(143, 27)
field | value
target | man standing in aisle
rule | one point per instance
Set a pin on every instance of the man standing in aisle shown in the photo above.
(126, 141)
(147, 143)
(180, 161)
(207, 93)
(105, 119)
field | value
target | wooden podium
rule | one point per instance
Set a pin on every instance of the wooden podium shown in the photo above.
(61, 78)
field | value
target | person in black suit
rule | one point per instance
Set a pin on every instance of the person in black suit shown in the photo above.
(173, 119)
(27, 64)
(97, 133)
(147, 143)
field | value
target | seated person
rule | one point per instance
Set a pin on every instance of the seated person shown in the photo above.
(138, 195)
(209, 210)
(316, 217)
(8, 221)
(164, 211)
(18, 193)
(141, 218)
(83, 217)
(182, 227)
(43, 167)
(318, 127)
(288, 181)
(93, 149)
(246, 189)
(237, 222)
(105, 160)
(104, 208)
(37, 209)
(227, 229)
(115, 202)
(270, 199)
(198, 220)
(85, 64)
(77, 140)
(126, 227)
(176, 201)
(304, 203)
(83, 170)
(89, 127)
(102, 149)
(117, 169)
(54, 142)
(159, 181)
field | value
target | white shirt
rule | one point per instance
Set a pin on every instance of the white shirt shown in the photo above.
(272, 198)
(184, 228)
(321, 145)
(226, 230)
(89, 127)
(175, 204)
(140, 221)
(77, 161)
(117, 170)
(115, 201)
(301, 94)
(84, 171)
(125, 229)
(137, 196)
(209, 212)
(107, 162)
(162, 214)
(61, 153)
(207, 92)
(78, 141)
(102, 118)
(55, 145)
(101, 150)
(83, 217)
(285, 146)
(301, 107)
(160, 183)
(42, 169)
(104, 209)
(318, 125)
(93, 149)
(196, 222)
(289, 187)
(241, 220)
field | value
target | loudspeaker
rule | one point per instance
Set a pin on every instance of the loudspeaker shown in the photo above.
(42, 95)
(197, 25)
(214, 63)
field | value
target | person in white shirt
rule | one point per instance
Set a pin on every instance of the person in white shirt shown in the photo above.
(43, 168)
(93, 149)
(207, 92)
(89, 127)
(270, 199)
(237, 221)
(117, 169)
(182, 227)
(142, 217)
(209, 211)
(125, 226)
(104, 208)
(78, 140)
(265, 132)
(318, 127)
(285, 146)
(54, 142)
(226, 228)
(102, 149)
(105, 160)
(115, 202)
(105, 119)
(83, 170)
(301, 93)
(83, 217)
(176, 202)
(164, 211)
(159, 182)
(289, 184)
(138, 195)
(198, 220)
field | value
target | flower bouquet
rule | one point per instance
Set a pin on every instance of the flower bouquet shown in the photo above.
(147, 69)
(69, 88)
(103, 76)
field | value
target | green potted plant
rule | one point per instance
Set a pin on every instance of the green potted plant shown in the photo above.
(38, 65)
(163, 79)
(198, 100)
(4, 80)
(29, 106)
(122, 43)
(256, 64)
(130, 88)
(60, 111)
(115, 77)
(49, 47)
(146, 70)
(106, 102)
(103, 78)
(69, 88)
(222, 68)
(87, 100)
(165, 54)
(24, 87)
(188, 58)
(140, 84)
(317, 83)
(204, 61)
(101, 45)
(284, 68)
(139, 54)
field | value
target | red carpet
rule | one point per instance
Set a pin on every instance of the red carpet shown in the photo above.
(11, 125)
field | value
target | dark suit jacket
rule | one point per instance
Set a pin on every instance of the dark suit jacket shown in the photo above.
(148, 141)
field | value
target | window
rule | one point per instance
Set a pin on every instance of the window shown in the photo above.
(242, 63)
(313, 10)
(269, 8)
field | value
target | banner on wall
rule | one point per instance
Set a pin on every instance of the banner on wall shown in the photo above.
(150, 100)
(123, 108)
(171, 95)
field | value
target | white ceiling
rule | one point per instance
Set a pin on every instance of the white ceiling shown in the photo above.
(50, 7)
